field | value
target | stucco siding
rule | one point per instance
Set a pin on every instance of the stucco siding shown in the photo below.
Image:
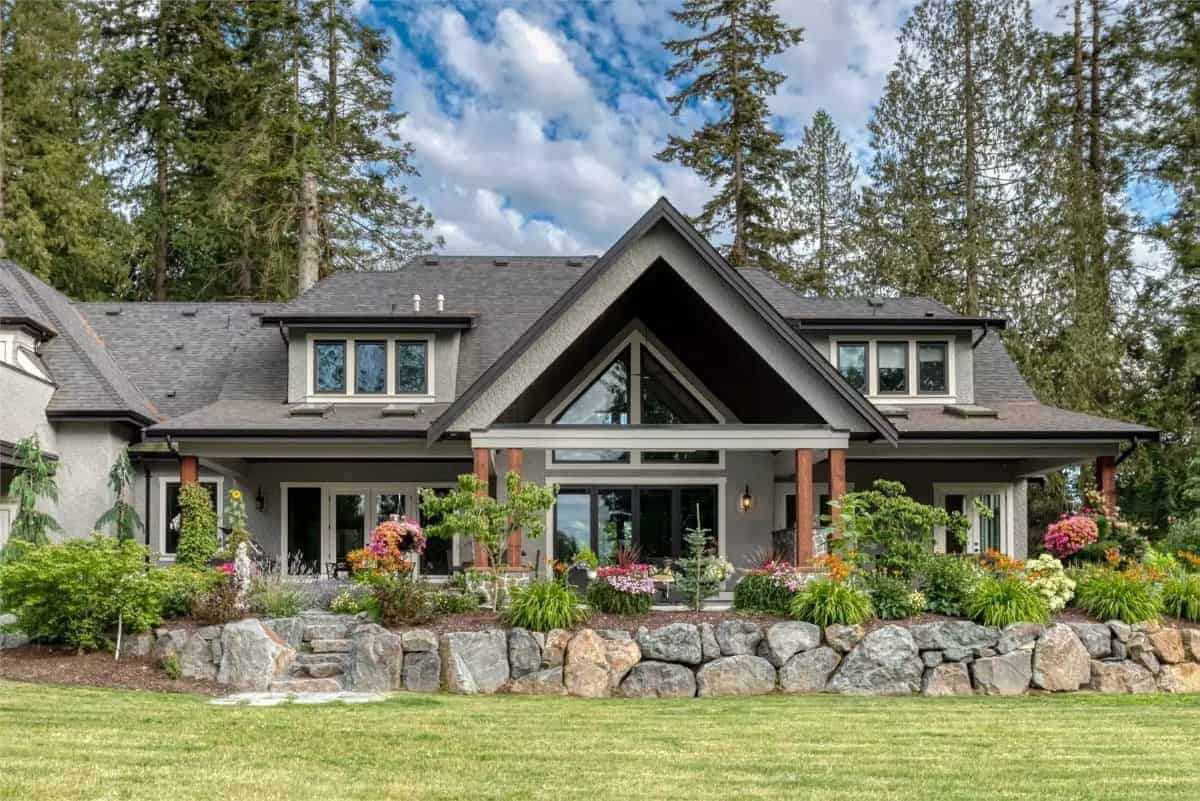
(23, 400)
(86, 452)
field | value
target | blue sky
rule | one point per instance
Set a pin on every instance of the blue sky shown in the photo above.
(536, 123)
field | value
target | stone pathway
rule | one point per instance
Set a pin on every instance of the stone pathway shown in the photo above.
(277, 698)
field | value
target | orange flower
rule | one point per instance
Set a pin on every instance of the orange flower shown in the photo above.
(838, 568)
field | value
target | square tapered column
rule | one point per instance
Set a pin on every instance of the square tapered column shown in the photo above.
(483, 473)
(514, 539)
(804, 506)
(189, 469)
(1106, 482)
(837, 484)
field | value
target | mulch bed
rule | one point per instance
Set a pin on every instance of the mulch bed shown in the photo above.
(45, 664)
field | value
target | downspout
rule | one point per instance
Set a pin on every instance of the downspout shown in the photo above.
(283, 334)
(146, 512)
(1125, 454)
(980, 339)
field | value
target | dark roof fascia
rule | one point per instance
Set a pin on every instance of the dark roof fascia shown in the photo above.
(29, 326)
(279, 433)
(1140, 435)
(661, 210)
(102, 415)
(8, 449)
(941, 323)
(373, 321)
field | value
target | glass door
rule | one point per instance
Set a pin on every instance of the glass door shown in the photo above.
(348, 524)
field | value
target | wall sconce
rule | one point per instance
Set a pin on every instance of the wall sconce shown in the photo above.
(260, 503)
(747, 500)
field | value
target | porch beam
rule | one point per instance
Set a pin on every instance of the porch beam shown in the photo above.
(1106, 482)
(837, 484)
(483, 473)
(732, 437)
(804, 506)
(514, 539)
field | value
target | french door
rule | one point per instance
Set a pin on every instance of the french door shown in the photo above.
(988, 509)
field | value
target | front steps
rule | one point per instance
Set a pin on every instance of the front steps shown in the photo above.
(320, 664)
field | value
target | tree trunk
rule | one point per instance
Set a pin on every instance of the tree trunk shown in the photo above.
(332, 56)
(970, 176)
(3, 138)
(160, 158)
(1078, 188)
(309, 210)
(1096, 165)
(821, 284)
(738, 252)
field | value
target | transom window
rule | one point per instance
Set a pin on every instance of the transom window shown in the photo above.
(371, 367)
(896, 368)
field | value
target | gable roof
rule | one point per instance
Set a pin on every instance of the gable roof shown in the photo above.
(17, 304)
(663, 212)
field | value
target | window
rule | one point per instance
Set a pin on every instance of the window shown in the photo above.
(329, 367)
(931, 368)
(370, 368)
(604, 402)
(412, 367)
(852, 364)
(174, 515)
(651, 518)
(893, 368)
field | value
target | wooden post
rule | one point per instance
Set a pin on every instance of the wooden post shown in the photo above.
(837, 484)
(804, 507)
(1106, 482)
(482, 472)
(189, 469)
(514, 539)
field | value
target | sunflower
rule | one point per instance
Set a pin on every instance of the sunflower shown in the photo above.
(236, 495)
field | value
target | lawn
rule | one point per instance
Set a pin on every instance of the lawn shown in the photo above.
(59, 743)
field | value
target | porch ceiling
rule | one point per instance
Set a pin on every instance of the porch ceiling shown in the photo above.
(744, 437)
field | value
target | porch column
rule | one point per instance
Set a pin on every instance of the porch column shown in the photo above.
(189, 469)
(837, 484)
(804, 506)
(1106, 482)
(482, 472)
(514, 539)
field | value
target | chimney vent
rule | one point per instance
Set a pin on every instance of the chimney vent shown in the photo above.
(416, 303)
(500, 262)
(441, 299)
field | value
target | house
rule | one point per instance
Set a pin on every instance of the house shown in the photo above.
(656, 385)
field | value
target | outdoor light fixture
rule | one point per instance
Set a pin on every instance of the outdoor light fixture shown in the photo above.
(747, 499)
(260, 503)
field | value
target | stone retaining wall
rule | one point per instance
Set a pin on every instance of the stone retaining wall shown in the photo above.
(319, 652)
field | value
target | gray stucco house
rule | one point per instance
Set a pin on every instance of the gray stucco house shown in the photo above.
(653, 383)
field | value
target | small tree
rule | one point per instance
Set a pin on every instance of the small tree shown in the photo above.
(122, 516)
(235, 521)
(703, 574)
(33, 483)
(198, 529)
(468, 510)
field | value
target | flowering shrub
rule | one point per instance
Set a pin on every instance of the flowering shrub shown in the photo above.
(633, 580)
(622, 589)
(387, 551)
(1046, 575)
(1070, 533)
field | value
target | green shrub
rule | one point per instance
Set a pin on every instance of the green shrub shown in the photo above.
(172, 667)
(457, 603)
(74, 592)
(179, 587)
(947, 580)
(275, 596)
(198, 529)
(1183, 535)
(1181, 596)
(826, 602)
(759, 592)
(1000, 601)
(891, 597)
(603, 597)
(219, 605)
(399, 600)
(1113, 595)
(543, 605)
(347, 602)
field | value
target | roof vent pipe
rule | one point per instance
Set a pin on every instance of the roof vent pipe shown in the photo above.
(441, 299)
(416, 303)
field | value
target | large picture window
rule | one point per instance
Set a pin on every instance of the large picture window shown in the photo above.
(653, 519)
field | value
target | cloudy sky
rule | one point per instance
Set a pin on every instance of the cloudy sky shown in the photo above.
(536, 124)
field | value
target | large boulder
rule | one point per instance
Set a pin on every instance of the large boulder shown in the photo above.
(710, 649)
(785, 640)
(1181, 678)
(736, 675)
(885, 662)
(1019, 637)
(658, 680)
(474, 661)
(289, 629)
(376, 662)
(1060, 662)
(140, 644)
(956, 639)
(419, 641)
(808, 671)
(1121, 630)
(554, 649)
(674, 642)
(1096, 638)
(1124, 678)
(948, 678)
(843, 638)
(169, 643)
(1191, 643)
(547, 681)
(1141, 651)
(252, 656)
(422, 672)
(196, 659)
(524, 652)
(1168, 646)
(738, 637)
(621, 654)
(585, 669)
(1006, 674)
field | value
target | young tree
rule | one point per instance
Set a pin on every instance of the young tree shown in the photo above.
(197, 528)
(703, 574)
(33, 483)
(820, 205)
(738, 151)
(121, 515)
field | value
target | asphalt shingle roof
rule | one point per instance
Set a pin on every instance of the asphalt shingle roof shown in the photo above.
(795, 306)
(1012, 418)
(271, 418)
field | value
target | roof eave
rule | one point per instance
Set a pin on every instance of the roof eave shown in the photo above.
(411, 321)
(817, 323)
(30, 326)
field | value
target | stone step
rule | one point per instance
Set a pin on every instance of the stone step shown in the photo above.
(306, 686)
(333, 646)
(325, 631)
(318, 666)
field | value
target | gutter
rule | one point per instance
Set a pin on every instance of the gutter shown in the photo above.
(1133, 445)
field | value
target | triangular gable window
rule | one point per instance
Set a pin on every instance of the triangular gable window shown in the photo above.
(665, 401)
(606, 401)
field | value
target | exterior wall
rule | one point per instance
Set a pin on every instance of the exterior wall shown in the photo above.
(86, 452)
(23, 400)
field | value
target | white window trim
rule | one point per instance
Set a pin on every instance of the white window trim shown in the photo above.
(642, 480)
(349, 395)
(973, 489)
(635, 340)
(912, 397)
(370, 489)
(163, 481)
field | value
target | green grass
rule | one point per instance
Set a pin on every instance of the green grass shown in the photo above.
(60, 743)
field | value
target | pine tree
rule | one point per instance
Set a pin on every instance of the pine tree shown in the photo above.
(123, 518)
(820, 204)
(738, 151)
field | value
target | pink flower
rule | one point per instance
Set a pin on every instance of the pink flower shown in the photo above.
(1070, 534)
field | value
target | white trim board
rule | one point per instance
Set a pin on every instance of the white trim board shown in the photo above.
(349, 395)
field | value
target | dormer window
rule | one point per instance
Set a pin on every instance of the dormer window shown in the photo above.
(914, 369)
(893, 368)
(931, 368)
(852, 364)
(371, 367)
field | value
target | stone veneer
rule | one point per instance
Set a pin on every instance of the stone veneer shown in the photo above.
(320, 652)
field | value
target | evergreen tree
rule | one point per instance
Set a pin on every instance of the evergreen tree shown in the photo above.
(738, 151)
(820, 204)
(121, 515)
(33, 483)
